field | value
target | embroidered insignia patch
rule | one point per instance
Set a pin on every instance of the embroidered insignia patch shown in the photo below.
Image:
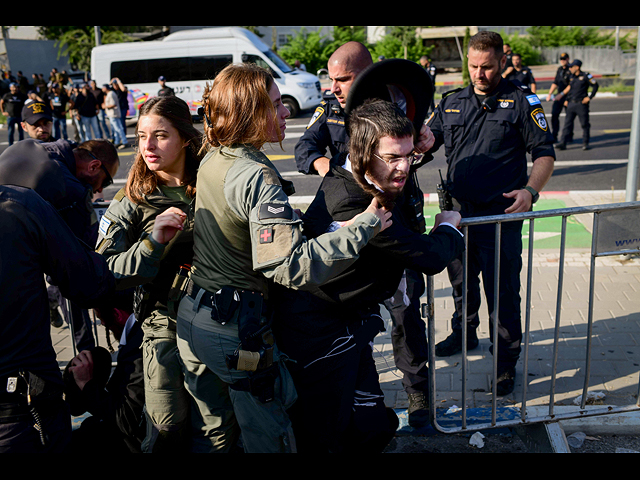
(266, 236)
(540, 119)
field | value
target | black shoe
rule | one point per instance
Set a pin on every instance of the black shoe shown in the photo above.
(453, 344)
(55, 317)
(506, 381)
(418, 410)
(586, 147)
(561, 146)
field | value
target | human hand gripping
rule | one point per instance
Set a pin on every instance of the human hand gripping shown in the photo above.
(168, 224)
(453, 218)
(82, 369)
(425, 141)
(379, 211)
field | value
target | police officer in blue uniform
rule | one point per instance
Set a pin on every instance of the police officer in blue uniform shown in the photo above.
(325, 137)
(577, 102)
(487, 130)
(560, 83)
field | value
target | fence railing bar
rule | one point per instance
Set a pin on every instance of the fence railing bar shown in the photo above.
(496, 317)
(556, 336)
(527, 321)
(499, 220)
(465, 335)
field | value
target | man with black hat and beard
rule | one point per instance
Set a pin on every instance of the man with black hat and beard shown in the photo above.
(324, 143)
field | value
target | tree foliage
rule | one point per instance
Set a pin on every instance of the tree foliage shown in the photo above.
(77, 45)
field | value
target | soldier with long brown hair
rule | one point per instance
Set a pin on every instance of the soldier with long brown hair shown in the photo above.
(152, 218)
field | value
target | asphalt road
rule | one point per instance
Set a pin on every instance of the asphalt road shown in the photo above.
(604, 167)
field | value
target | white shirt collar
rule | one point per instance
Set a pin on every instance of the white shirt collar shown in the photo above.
(347, 166)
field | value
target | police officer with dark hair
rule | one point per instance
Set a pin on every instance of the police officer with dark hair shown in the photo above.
(487, 130)
(33, 415)
(560, 83)
(577, 103)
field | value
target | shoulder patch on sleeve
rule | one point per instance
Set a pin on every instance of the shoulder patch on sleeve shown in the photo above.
(105, 223)
(274, 243)
(540, 119)
(316, 116)
(271, 211)
(533, 99)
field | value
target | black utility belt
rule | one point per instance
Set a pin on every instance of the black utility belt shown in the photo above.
(226, 302)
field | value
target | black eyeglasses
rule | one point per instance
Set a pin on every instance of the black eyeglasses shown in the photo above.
(108, 181)
(412, 159)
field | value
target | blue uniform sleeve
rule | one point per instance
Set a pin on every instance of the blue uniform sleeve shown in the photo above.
(315, 142)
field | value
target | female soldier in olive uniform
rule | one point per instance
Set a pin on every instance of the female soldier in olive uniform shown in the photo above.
(159, 192)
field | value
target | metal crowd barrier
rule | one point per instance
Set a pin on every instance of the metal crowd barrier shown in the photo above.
(616, 231)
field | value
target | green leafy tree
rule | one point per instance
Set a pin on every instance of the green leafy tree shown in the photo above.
(77, 45)
(402, 42)
(308, 47)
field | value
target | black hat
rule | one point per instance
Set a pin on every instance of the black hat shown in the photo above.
(399, 81)
(576, 63)
(34, 111)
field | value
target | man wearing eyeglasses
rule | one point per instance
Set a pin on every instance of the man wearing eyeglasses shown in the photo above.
(66, 175)
(325, 143)
(328, 332)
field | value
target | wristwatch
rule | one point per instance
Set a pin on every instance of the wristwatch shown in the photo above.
(534, 194)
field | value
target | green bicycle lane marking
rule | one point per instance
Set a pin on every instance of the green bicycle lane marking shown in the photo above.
(547, 231)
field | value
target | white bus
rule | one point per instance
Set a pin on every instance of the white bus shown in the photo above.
(191, 58)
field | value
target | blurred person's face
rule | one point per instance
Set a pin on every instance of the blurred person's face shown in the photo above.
(278, 125)
(41, 130)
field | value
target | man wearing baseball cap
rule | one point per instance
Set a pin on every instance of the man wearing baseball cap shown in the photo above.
(37, 121)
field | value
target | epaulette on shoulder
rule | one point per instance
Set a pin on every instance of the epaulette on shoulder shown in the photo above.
(521, 86)
(120, 195)
(451, 92)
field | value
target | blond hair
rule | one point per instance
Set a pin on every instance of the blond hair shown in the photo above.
(237, 107)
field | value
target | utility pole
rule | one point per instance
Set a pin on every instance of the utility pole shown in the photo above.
(634, 145)
(98, 36)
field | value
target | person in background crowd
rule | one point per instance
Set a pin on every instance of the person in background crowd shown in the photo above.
(522, 73)
(11, 107)
(37, 121)
(60, 103)
(98, 94)
(87, 108)
(123, 97)
(577, 101)
(164, 88)
(111, 106)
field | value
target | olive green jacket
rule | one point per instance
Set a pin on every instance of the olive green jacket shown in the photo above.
(246, 233)
(132, 254)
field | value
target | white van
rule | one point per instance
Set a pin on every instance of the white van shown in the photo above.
(191, 58)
